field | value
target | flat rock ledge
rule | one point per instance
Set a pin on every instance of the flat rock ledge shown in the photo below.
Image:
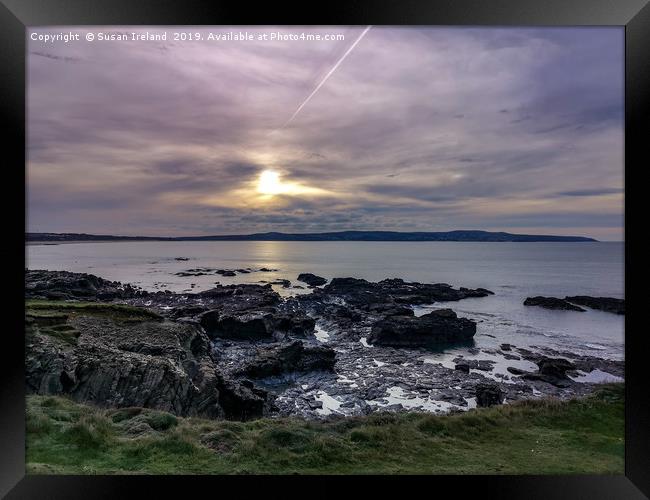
(573, 303)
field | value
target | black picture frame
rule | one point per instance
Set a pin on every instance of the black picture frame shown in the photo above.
(17, 15)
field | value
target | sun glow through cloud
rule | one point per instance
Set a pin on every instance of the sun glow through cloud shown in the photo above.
(269, 183)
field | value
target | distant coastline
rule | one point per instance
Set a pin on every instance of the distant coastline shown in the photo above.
(461, 235)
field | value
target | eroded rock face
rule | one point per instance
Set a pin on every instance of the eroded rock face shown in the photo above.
(552, 303)
(607, 304)
(437, 327)
(293, 357)
(118, 363)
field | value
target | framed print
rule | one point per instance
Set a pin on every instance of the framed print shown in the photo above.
(378, 239)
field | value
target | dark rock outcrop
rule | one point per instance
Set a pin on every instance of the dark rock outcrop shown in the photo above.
(241, 297)
(607, 304)
(242, 400)
(226, 272)
(489, 395)
(120, 363)
(389, 309)
(555, 367)
(186, 311)
(296, 324)
(64, 285)
(462, 366)
(245, 326)
(551, 370)
(552, 303)
(311, 279)
(255, 324)
(359, 291)
(437, 327)
(293, 357)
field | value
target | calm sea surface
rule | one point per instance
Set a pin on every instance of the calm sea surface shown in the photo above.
(513, 271)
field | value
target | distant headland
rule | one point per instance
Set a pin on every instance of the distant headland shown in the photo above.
(480, 236)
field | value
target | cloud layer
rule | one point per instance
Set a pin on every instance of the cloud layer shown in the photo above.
(418, 129)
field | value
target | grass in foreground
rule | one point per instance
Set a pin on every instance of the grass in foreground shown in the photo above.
(533, 437)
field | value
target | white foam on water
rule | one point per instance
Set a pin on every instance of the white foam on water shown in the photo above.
(330, 405)
(364, 342)
(499, 370)
(397, 395)
(321, 334)
(445, 360)
(596, 346)
(342, 379)
(596, 377)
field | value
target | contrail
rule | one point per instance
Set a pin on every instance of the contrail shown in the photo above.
(363, 33)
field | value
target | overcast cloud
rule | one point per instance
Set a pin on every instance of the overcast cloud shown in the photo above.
(419, 129)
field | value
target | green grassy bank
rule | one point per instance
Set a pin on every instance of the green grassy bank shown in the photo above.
(535, 437)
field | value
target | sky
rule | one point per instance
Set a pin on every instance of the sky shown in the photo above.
(387, 128)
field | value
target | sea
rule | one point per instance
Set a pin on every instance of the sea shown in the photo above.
(513, 271)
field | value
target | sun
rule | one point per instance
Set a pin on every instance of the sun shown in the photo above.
(269, 183)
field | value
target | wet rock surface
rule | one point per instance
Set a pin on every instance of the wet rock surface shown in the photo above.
(239, 351)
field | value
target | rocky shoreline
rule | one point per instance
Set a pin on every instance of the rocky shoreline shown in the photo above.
(349, 347)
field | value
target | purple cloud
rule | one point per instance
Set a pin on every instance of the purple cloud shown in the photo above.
(419, 128)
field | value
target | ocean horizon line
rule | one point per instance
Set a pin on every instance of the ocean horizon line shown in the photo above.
(350, 235)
